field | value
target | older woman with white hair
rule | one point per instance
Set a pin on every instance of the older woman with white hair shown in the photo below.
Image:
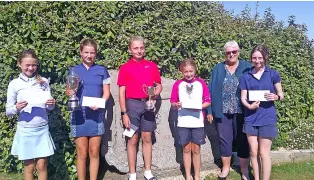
(226, 109)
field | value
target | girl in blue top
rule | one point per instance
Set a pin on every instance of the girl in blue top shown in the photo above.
(87, 124)
(260, 116)
(32, 141)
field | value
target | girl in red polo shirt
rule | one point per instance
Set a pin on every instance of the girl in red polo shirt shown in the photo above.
(133, 76)
(190, 96)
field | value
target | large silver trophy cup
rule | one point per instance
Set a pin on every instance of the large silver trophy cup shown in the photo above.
(150, 91)
(72, 84)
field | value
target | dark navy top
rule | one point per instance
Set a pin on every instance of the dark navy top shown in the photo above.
(265, 114)
(91, 80)
(88, 122)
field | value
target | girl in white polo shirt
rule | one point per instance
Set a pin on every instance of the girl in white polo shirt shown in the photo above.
(190, 96)
(29, 96)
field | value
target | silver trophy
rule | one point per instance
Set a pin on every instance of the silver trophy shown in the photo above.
(72, 84)
(150, 91)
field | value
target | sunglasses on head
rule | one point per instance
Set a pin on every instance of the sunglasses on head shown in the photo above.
(231, 52)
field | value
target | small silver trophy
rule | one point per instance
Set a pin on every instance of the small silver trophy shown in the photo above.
(72, 84)
(189, 89)
(150, 91)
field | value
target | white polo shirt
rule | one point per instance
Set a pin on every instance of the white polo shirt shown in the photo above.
(20, 87)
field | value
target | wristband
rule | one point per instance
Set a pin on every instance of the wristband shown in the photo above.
(278, 97)
(123, 113)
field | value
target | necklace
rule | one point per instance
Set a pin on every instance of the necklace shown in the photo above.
(189, 89)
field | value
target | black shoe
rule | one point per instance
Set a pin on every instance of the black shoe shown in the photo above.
(152, 178)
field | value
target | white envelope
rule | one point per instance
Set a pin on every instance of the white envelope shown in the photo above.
(130, 132)
(257, 95)
(93, 101)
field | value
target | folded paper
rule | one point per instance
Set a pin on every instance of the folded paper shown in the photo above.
(130, 132)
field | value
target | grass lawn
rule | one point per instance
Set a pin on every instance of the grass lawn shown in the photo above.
(289, 171)
(10, 176)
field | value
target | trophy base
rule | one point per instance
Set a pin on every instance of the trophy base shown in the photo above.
(73, 108)
(73, 105)
(150, 105)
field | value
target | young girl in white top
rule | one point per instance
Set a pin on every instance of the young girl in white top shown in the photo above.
(190, 96)
(32, 141)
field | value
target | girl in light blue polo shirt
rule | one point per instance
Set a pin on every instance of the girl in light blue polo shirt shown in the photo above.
(29, 96)
(260, 123)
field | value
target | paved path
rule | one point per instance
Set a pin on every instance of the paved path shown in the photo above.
(111, 173)
(283, 156)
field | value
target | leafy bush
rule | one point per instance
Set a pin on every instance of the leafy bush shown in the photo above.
(174, 30)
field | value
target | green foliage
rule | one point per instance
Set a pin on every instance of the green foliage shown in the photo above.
(174, 30)
(302, 137)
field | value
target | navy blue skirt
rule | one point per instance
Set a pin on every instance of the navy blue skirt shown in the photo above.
(87, 122)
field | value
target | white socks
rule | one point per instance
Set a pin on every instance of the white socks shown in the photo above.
(132, 176)
(148, 174)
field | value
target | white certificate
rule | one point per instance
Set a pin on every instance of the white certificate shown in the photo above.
(192, 100)
(257, 95)
(37, 97)
(93, 101)
(192, 103)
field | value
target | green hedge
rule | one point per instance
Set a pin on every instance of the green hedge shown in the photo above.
(174, 30)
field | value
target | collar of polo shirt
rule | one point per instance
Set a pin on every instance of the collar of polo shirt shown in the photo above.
(25, 78)
(266, 69)
(135, 61)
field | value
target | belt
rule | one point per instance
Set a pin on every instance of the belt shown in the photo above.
(139, 99)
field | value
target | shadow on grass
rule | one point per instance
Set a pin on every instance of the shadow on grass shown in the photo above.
(237, 170)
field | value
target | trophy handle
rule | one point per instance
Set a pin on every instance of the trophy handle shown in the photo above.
(144, 87)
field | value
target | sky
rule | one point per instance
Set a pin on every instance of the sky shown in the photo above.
(303, 11)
